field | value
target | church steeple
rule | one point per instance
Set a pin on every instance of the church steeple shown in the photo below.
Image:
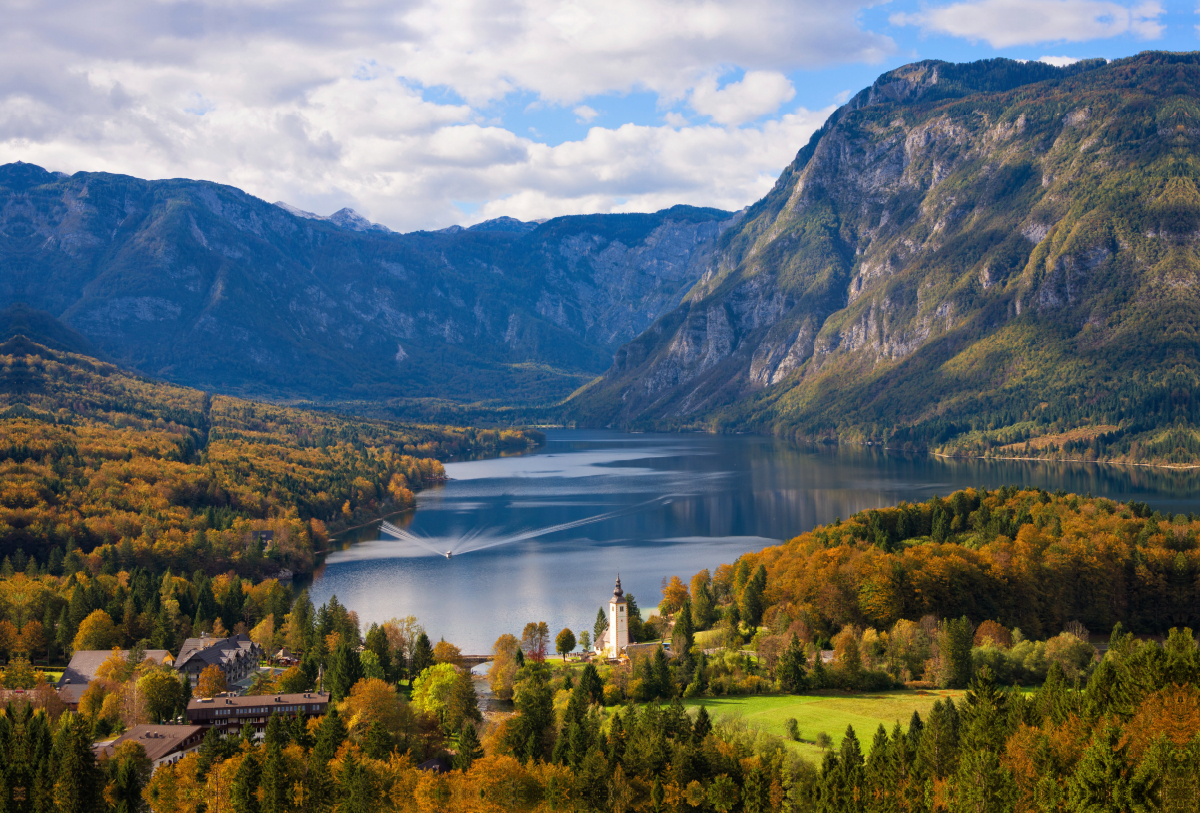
(618, 622)
(618, 593)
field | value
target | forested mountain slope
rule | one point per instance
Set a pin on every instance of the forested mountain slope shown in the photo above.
(97, 462)
(207, 286)
(994, 257)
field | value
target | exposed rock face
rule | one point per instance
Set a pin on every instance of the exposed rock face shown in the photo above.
(211, 287)
(941, 224)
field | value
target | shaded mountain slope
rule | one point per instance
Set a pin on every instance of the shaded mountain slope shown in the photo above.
(995, 257)
(205, 285)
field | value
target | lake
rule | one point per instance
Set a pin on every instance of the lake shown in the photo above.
(542, 536)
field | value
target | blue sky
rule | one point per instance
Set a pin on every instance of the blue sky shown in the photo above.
(424, 113)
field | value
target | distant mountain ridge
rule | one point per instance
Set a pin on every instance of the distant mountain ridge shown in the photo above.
(996, 258)
(205, 285)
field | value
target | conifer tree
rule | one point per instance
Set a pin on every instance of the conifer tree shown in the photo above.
(422, 657)
(790, 670)
(242, 793)
(1100, 781)
(345, 669)
(469, 747)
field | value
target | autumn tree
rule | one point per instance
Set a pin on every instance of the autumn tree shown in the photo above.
(97, 631)
(211, 682)
(564, 642)
(446, 652)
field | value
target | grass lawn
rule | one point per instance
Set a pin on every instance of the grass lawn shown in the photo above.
(828, 711)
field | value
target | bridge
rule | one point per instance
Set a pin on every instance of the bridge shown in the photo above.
(471, 661)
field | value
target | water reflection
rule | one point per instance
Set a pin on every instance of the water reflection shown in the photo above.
(667, 504)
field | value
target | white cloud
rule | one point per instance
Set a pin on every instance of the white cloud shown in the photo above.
(585, 114)
(1005, 23)
(759, 93)
(1058, 61)
(393, 108)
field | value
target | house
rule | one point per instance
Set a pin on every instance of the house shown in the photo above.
(237, 656)
(83, 667)
(164, 744)
(229, 713)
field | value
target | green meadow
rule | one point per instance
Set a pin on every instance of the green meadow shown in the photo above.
(826, 711)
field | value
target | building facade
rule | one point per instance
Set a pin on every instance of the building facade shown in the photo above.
(230, 713)
(164, 744)
(236, 656)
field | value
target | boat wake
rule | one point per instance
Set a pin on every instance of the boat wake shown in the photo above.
(480, 539)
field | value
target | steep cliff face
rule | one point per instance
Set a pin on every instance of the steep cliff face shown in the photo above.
(206, 285)
(962, 249)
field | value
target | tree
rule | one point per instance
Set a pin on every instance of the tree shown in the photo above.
(565, 642)
(955, 639)
(211, 682)
(345, 669)
(162, 693)
(128, 771)
(422, 656)
(752, 598)
(97, 631)
(446, 652)
(790, 671)
(702, 600)
(601, 624)
(463, 704)
(433, 687)
(585, 640)
(674, 592)
(77, 779)
(504, 667)
(469, 748)
(535, 640)
(683, 637)
(371, 701)
(243, 793)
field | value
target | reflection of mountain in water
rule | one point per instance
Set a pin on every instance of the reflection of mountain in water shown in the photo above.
(667, 505)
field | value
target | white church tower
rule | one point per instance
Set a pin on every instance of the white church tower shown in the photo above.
(618, 622)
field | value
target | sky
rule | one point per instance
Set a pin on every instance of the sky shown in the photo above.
(420, 115)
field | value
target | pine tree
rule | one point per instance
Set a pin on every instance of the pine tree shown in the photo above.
(469, 747)
(1099, 783)
(664, 684)
(600, 626)
(981, 783)
(790, 669)
(422, 657)
(275, 786)
(703, 725)
(345, 669)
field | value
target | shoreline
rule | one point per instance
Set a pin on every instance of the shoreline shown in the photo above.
(1167, 466)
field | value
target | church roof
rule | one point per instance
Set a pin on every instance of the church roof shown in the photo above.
(618, 594)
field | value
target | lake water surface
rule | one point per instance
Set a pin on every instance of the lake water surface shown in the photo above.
(541, 536)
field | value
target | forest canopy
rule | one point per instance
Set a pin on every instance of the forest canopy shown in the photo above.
(104, 464)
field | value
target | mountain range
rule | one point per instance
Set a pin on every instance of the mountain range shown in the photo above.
(205, 285)
(996, 257)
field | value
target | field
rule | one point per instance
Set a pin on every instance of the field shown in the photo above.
(827, 711)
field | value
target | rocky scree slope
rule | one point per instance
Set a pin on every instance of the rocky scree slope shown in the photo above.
(994, 257)
(205, 285)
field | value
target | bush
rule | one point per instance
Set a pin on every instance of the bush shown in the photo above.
(793, 729)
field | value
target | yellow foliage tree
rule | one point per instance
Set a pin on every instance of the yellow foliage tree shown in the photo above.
(97, 631)
(211, 682)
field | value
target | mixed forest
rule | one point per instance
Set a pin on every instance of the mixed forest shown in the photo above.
(104, 467)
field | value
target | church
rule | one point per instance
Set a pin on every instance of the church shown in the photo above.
(613, 642)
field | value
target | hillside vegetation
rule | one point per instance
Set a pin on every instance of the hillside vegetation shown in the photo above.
(993, 258)
(1023, 558)
(99, 463)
